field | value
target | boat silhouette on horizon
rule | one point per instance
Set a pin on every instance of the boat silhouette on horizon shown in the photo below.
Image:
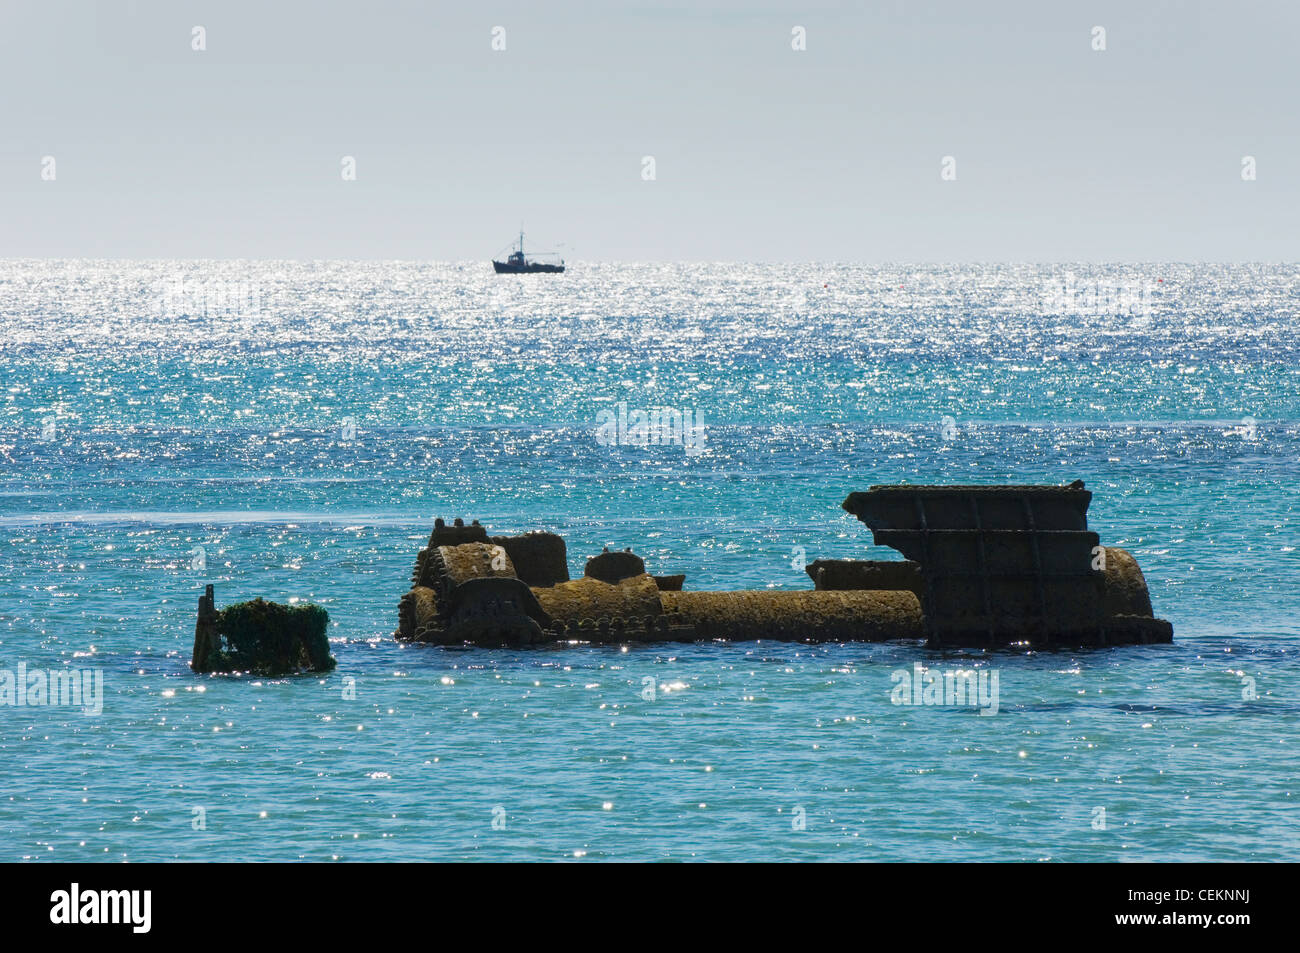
(517, 263)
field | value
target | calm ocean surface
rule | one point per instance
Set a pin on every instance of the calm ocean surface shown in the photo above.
(169, 424)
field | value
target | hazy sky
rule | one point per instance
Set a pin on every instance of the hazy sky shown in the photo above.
(762, 152)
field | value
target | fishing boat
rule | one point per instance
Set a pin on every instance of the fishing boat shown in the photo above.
(517, 263)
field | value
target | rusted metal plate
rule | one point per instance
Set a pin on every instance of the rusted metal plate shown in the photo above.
(1000, 564)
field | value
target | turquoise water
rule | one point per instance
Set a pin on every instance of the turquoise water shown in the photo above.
(291, 430)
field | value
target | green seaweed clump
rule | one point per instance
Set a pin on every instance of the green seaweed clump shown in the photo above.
(268, 639)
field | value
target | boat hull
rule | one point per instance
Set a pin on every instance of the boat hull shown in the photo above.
(510, 268)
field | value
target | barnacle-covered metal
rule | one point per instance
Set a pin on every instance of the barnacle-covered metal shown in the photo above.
(985, 566)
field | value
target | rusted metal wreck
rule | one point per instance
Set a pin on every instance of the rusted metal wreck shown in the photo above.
(985, 566)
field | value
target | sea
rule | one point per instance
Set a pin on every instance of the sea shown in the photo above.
(291, 430)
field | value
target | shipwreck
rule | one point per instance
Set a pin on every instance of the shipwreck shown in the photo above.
(984, 566)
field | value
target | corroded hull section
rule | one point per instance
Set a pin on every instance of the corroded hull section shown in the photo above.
(985, 566)
(1012, 564)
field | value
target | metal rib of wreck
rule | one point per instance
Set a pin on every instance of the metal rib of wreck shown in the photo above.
(986, 566)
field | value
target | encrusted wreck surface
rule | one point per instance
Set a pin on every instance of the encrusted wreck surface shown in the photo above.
(614, 567)
(1006, 564)
(985, 566)
(634, 597)
(800, 615)
(841, 574)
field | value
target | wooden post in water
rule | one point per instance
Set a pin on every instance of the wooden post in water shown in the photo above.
(204, 631)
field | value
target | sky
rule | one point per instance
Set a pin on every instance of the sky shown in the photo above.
(761, 152)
